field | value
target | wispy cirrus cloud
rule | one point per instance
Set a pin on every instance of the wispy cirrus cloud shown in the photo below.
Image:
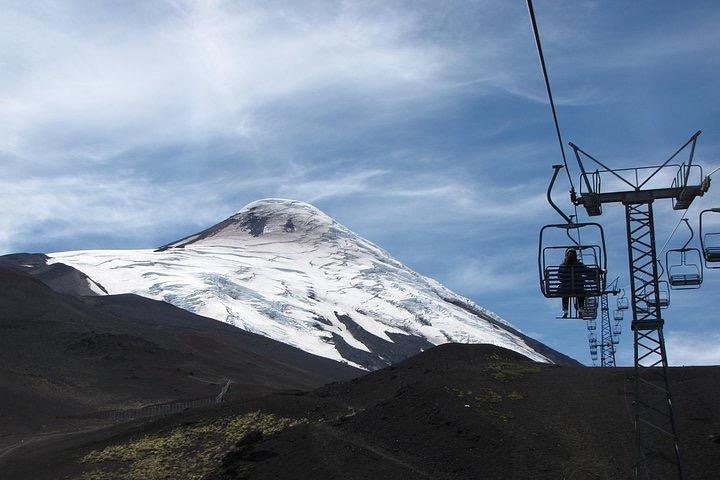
(195, 70)
(489, 273)
(138, 210)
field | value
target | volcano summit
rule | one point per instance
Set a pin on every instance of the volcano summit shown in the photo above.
(286, 270)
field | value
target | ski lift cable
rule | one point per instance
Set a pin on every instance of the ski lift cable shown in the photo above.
(683, 217)
(538, 46)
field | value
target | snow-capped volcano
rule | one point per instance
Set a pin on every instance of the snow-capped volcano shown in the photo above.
(286, 270)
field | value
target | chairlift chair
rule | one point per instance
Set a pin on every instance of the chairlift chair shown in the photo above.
(663, 295)
(617, 329)
(622, 301)
(685, 274)
(591, 325)
(589, 309)
(615, 340)
(586, 279)
(684, 265)
(618, 315)
(710, 242)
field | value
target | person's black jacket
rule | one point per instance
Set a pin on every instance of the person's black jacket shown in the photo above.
(573, 277)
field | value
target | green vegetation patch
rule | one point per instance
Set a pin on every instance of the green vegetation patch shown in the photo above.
(187, 452)
(515, 395)
(488, 395)
(487, 401)
(483, 395)
(504, 371)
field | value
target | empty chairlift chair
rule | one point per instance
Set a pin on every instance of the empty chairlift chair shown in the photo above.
(583, 279)
(684, 265)
(648, 297)
(622, 301)
(589, 310)
(663, 295)
(685, 273)
(618, 315)
(709, 241)
(594, 353)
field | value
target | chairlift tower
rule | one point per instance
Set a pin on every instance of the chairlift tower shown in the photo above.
(656, 436)
(607, 345)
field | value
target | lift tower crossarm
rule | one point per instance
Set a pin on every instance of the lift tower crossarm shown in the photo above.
(638, 196)
(680, 191)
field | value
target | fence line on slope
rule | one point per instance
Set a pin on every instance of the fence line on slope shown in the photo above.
(151, 411)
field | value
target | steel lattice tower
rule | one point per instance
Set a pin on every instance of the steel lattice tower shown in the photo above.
(654, 417)
(607, 347)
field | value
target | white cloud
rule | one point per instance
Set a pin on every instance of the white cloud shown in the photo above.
(202, 68)
(498, 272)
(686, 348)
(85, 205)
(126, 207)
(79, 85)
(333, 187)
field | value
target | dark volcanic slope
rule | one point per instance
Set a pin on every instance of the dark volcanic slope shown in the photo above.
(64, 356)
(58, 276)
(478, 411)
(452, 412)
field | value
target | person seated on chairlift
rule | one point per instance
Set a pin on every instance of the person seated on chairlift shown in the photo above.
(566, 281)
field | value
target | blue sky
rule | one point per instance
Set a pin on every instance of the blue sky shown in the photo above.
(423, 126)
